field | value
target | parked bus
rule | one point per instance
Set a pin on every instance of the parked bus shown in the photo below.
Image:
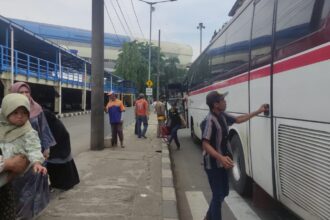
(275, 52)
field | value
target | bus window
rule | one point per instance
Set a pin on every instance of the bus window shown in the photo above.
(238, 43)
(262, 34)
(325, 11)
(294, 21)
(217, 54)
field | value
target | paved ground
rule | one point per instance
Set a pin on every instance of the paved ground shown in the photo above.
(128, 183)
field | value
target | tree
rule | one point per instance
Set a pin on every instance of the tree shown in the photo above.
(132, 65)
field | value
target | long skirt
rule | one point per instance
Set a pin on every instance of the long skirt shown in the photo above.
(64, 175)
(7, 202)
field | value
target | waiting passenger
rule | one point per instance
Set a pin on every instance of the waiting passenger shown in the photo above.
(18, 137)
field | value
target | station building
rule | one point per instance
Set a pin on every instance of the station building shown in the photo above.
(79, 41)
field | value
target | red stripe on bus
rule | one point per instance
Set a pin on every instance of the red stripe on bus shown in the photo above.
(256, 74)
(303, 60)
(309, 58)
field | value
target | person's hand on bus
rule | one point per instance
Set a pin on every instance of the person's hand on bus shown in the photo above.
(263, 108)
(226, 162)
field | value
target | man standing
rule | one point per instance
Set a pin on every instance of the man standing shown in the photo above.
(217, 158)
(115, 108)
(160, 111)
(141, 114)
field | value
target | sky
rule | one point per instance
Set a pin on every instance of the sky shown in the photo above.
(177, 20)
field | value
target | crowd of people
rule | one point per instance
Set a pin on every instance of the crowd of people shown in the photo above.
(35, 147)
(35, 151)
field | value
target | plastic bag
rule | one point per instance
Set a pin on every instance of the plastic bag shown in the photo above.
(32, 194)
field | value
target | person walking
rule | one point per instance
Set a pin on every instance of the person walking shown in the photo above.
(175, 125)
(141, 114)
(115, 108)
(216, 154)
(161, 116)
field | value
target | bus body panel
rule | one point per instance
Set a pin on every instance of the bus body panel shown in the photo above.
(298, 92)
(292, 75)
(302, 164)
(260, 131)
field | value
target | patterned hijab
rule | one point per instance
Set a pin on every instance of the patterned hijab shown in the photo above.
(35, 108)
(8, 131)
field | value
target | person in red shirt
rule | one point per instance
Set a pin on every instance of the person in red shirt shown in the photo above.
(141, 114)
(115, 108)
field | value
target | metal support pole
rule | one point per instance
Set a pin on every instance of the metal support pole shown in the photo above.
(97, 115)
(60, 83)
(85, 89)
(149, 64)
(111, 83)
(200, 27)
(12, 55)
(158, 66)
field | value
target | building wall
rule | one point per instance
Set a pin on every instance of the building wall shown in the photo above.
(80, 40)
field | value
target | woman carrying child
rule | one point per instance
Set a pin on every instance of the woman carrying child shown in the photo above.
(17, 137)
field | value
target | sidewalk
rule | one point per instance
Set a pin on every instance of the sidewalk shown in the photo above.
(131, 183)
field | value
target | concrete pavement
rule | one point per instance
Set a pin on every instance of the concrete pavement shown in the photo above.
(135, 182)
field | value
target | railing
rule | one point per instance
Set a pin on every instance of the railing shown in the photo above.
(118, 88)
(30, 66)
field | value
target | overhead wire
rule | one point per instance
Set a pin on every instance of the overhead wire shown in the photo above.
(124, 19)
(121, 23)
(137, 19)
(106, 8)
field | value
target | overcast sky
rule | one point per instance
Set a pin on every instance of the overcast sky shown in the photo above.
(177, 20)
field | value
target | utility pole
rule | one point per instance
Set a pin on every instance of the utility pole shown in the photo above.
(150, 26)
(97, 115)
(158, 65)
(200, 27)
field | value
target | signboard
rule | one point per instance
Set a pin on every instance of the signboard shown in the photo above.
(149, 83)
(149, 91)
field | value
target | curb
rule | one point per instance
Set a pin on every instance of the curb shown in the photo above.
(65, 115)
(170, 211)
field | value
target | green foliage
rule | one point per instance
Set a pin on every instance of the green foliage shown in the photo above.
(132, 64)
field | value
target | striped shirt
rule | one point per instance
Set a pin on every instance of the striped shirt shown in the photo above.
(214, 133)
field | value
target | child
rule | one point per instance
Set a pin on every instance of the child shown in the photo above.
(17, 136)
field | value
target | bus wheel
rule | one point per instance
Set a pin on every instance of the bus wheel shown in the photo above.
(241, 182)
(192, 130)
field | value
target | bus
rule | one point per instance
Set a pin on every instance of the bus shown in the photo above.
(275, 52)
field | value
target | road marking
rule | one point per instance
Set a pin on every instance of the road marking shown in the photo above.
(197, 204)
(239, 207)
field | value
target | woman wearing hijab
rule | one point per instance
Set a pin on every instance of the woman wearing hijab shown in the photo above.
(32, 190)
(61, 168)
(37, 117)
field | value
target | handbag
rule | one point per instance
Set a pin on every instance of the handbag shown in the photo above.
(164, 131)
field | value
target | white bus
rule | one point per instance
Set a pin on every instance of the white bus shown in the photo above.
(275, 52)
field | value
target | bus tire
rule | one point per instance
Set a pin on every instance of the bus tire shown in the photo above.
(192, 131)
(241, 181)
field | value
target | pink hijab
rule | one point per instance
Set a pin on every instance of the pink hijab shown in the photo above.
(35, 108)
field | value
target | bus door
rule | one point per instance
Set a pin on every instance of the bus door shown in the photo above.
(175, 95)
(260, 93)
